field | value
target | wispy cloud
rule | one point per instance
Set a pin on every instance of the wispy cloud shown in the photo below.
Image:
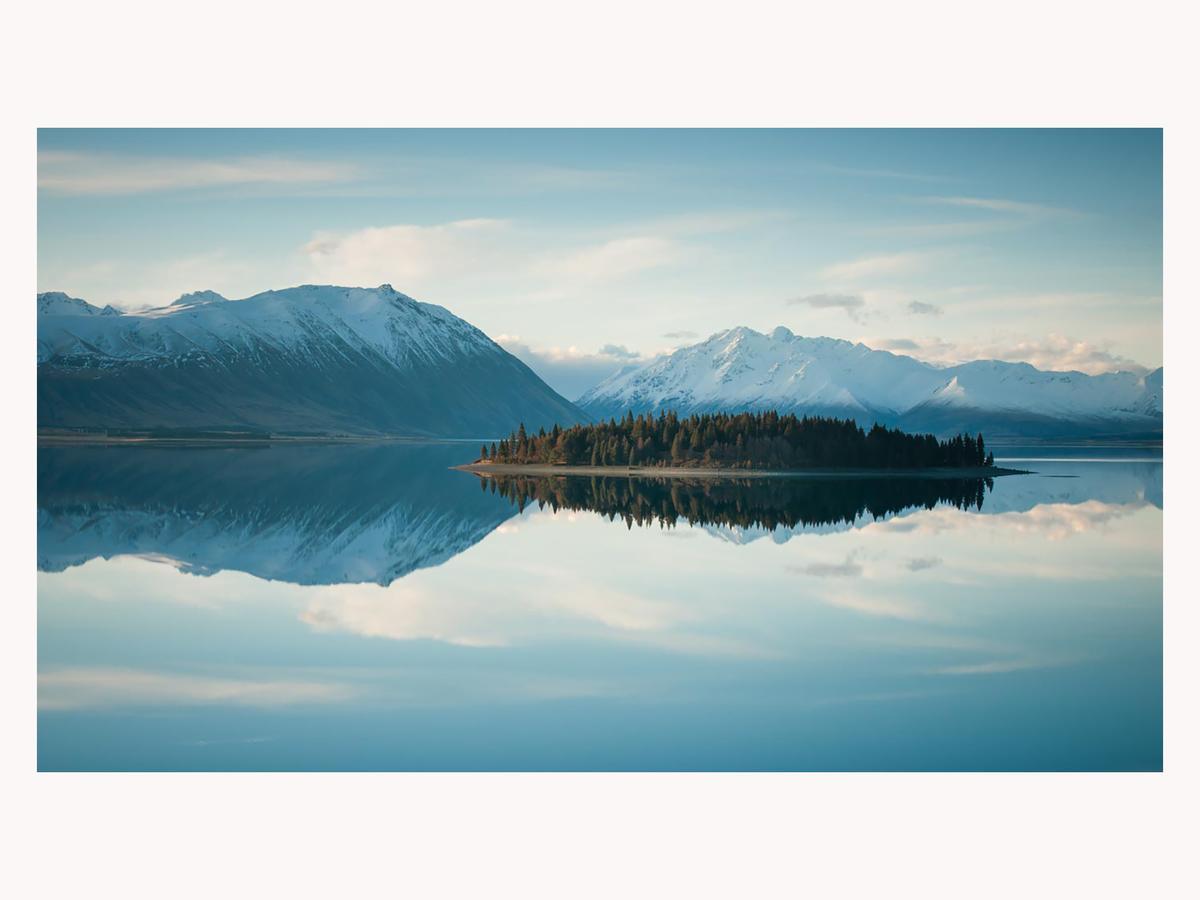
(612, 259)
(86, 688)
(921, 563)
(878, 603)
(894, 344)
(880, 173)
(920, 308)
(1003, 666)
(680, 335)
(84, 173)
(993, 204)
(850, 567)
(874, 266)
(851, 304)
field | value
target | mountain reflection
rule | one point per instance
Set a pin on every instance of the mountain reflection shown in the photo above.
(374, 512)
(766, 503)
(305, 513)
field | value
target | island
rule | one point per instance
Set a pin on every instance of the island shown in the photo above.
(747, 444)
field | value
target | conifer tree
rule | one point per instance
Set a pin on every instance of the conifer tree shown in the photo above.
(744, 440)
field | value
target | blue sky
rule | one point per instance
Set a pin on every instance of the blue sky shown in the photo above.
(581, 250)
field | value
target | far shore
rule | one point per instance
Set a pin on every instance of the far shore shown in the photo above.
(489, 469)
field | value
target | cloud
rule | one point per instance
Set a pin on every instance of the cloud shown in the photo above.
(851, 304)
(895, 344)
(873, 266)
(83, 173)
(718, 222)
(879, 173)
(680, 335)
(434, 257)
(1057, 352)
(471, 618)
(86, 688)
(848, 568)
(612, 259)
(940, 230)
(1002, 666)
(921, 563)
(1054, 352)
(1002, 206)
(878, 604)
(1059, 521)
(408, 254)
(618, 351)
(570, 371)
(918, 308)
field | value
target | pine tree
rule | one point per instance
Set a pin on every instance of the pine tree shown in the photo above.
(742, 440)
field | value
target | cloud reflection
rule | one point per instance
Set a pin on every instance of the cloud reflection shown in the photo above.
(101, 687)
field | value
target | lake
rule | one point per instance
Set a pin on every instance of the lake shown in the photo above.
(366, 607)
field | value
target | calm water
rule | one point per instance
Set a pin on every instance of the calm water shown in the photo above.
(364, 607)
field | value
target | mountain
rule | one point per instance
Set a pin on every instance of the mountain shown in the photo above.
(742, 369)
(56, 303)
(305, 513)
(307, 359)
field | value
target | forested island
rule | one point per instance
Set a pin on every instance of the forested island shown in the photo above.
(739, 441)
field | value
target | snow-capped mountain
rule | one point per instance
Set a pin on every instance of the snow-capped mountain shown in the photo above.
(56, 303)
(301, 513)
(305, 359)
(742, 369)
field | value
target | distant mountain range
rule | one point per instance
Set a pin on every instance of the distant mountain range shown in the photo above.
(369, 361)
(306, 359)
(742, 369)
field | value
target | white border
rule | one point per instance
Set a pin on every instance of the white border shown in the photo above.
(629, 64)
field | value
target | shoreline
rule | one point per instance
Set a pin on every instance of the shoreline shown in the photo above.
(492, 469)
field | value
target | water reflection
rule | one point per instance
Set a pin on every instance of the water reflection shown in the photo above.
(825, 625)
(763, 503)
(341, 514)
(308, 514)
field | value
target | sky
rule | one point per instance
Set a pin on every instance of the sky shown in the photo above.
(584, 250)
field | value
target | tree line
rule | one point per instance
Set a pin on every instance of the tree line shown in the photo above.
(758, 440)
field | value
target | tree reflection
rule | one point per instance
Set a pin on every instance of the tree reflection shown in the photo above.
(745, 502)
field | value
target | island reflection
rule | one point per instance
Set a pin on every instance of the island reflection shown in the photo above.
(316, 514)
(765, 503)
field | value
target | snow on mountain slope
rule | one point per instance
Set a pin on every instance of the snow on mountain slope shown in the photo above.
(744, 369)
(378, 320)
(310, 358)
(56, 303)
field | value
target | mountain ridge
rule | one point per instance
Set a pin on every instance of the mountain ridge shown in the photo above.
(743, 369)
(313, 358)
